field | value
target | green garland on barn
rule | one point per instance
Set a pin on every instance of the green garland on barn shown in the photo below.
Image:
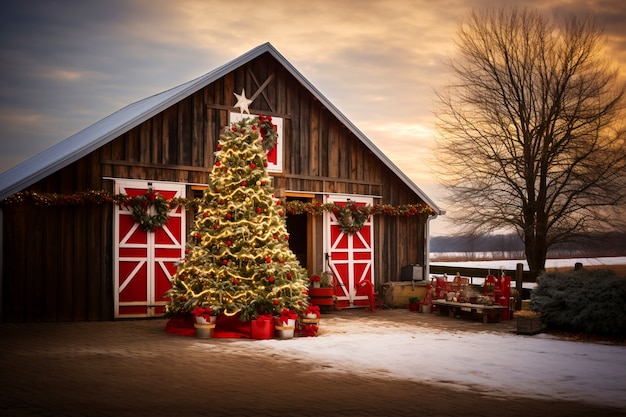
(351, 217)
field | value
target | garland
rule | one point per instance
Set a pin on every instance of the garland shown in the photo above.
(141, 208)
(123, 200)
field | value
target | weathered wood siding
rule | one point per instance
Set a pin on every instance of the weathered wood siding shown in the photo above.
(58, 261)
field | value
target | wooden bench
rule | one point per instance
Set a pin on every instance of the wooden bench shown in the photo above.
(454, 308)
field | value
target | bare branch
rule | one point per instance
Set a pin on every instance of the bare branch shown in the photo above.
(530, 130)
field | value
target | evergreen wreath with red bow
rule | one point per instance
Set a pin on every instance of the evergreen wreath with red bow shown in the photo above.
(351, 218)
(141, 211)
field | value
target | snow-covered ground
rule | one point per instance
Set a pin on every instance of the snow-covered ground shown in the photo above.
(550, 263)
(496, 364)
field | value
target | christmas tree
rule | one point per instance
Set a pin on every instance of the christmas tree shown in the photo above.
(238, 260)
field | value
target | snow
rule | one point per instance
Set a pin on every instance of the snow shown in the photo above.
(496, 265)
(496, 364)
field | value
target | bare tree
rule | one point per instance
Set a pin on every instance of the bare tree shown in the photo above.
(530, 131)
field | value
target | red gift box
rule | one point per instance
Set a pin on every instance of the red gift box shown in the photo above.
(262, 327)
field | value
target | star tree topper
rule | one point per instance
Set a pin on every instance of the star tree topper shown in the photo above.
(243, 102)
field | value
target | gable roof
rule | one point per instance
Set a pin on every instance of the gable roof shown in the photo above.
(100, 133)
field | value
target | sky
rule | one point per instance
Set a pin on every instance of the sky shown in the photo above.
(492, 364)
(65, 64)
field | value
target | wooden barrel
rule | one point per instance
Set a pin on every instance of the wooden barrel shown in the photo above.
(322, 296)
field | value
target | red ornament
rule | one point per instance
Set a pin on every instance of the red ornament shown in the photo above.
(205, 214)
(276, 237)
(186, 250)
(289, 275)
(276, 301)
(265, 164)
(286, 237)
(228, 243)
(268, 260)
(219, 147)
(234, 128)
(225, 262)
(271, 279)
(280, 213)
(278, 202)
(229, 216)
(252, 165)
(259, 209)
(198, 235)
(218, 163)
(235, 281)
(243, 183)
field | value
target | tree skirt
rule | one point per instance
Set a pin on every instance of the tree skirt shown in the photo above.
(225, 327)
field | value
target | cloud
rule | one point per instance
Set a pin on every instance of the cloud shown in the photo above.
(65, 64)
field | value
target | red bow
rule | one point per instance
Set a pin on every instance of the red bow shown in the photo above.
(309, 330)
(260, 321)
(285, 315)
(201, 311)
(313, 310)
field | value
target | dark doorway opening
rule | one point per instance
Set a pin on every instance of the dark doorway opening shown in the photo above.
(298, 226)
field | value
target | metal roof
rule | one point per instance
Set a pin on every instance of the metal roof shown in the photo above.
(100, 133)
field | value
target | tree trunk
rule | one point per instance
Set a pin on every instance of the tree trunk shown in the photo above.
(536, 253)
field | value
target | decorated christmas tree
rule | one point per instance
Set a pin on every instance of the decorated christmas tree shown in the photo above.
(238, 260)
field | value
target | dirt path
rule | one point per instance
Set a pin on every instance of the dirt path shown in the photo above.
(134, 368)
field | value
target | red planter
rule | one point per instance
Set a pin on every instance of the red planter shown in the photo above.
(322, 296)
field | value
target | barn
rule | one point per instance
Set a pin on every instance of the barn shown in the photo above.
(72, 252)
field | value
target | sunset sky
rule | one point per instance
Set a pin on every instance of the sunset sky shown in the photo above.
(67, 64)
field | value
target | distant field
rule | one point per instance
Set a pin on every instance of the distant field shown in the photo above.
(492, 260)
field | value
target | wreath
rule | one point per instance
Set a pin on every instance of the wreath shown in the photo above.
(268, 132)
(351, 218)
(141, 211)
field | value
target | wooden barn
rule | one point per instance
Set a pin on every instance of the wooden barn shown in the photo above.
(71, 254)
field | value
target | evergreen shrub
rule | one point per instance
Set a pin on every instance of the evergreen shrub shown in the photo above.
(587, 301)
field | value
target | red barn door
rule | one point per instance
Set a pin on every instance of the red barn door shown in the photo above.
(145, 261)
(350, 256)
